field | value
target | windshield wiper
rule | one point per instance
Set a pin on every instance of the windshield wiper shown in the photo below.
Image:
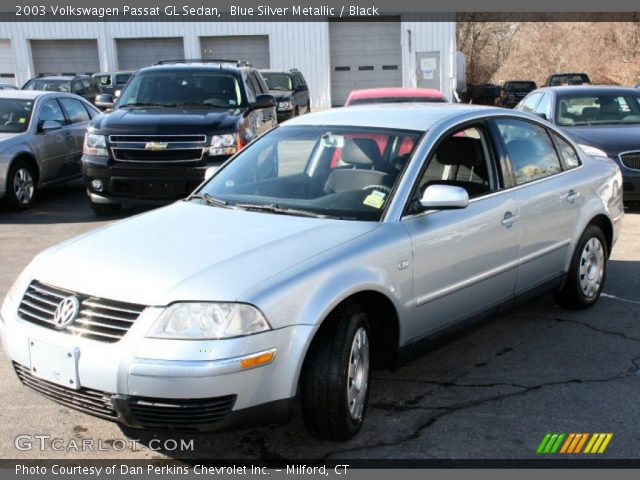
(194, 104)
(210, 200)
(143, 104)
(273, 208)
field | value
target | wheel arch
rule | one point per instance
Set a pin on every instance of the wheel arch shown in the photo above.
(606, 226)
(31, 159)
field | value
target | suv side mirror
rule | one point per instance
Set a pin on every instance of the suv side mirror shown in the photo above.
(104, 100)
(49, 125)
(444, 197)
(264, 100)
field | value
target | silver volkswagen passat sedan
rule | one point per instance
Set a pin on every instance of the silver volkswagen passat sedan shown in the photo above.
(333, 244)
(41, 138)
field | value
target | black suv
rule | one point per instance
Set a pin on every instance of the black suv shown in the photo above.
(291, 92)
(82, 85)
(171, 122)
(513, 91)
(559, 79)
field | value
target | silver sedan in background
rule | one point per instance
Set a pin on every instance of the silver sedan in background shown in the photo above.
(335, 243)
(41, 137)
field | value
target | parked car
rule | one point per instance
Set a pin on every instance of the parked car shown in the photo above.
(41, 135)
(290, 91)
(560, 79)
(482, 94)
(285, 275)
(394, 95)
(112, 82)
(8, 86)
(81, 85)
(513, 91)
(171, 122)
(605, 121)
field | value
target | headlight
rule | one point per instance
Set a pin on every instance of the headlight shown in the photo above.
(223, 144)
(593, 151)
(286, 105)
(208, 321)
(95, 145)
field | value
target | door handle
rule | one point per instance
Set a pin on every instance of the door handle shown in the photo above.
(509, 219)
(572, 196)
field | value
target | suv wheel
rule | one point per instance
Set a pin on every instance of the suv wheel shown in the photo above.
(334, 384)
(21, 185)
(587, 273)
(102, 209)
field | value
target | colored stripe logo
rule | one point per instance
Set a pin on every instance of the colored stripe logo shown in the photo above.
(573, 443)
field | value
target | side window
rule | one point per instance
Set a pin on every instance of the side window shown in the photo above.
(545, 106)
(302, 80)
(530, 149)
(261, 83)
(567, 152)
(51, 110)
(104, 80)
(529, 103)
(462, 159)
(77, 88)
(75, 110)
(251, 89)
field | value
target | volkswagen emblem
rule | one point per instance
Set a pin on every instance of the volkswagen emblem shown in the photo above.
(66, 312)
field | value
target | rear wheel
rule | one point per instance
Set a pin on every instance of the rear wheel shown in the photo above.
(21, 185)
(103, 209)
(334, 385)
(587, 273)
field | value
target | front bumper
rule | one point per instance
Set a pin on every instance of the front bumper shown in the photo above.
(630, 183)
(166, 384)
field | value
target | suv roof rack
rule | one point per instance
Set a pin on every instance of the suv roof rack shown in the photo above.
(239, 63)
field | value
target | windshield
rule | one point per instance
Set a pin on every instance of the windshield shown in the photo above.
(363, 101)
(277, 81)
(598, 109)
(14, 115)
(122, 78)
(175, 88)
(48, 85)
(569, 79)
(339, 172)
(520, 86)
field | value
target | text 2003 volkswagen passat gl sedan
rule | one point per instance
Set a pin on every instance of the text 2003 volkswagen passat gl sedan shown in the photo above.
(328, 246)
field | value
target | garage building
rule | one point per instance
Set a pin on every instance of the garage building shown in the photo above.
(335, 56)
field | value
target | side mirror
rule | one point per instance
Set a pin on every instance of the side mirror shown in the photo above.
(104, 100)
(210, 172)
(264, 101)
(444, 197)
(49, 125)
(541, 115)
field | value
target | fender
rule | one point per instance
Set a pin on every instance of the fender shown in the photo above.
(8, 157)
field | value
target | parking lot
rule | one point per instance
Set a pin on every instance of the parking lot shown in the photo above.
(491, 392)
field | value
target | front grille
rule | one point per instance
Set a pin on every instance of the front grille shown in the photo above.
(627, 187)
(93, 402)
(98, 318)
(180, 413)
(170, 148)
(631, 160)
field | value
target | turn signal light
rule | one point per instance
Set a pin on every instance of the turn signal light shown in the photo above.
(258, 359)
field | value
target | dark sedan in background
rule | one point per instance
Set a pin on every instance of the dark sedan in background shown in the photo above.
(605, 121)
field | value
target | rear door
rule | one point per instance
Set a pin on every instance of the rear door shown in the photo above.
(54, 146)
(78, 118)
(548, 201)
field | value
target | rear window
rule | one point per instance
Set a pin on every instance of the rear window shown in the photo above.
(48, 85)
(569, 79)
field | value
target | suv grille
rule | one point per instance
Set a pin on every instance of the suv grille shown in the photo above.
(93, 402)
(631, 160)
(98, 319)
(168, 148)
(180, 413)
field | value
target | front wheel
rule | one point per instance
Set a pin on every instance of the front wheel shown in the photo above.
(334, 386)
(587, 273)
(21, 185)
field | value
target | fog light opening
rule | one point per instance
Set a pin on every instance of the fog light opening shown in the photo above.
(97, 185)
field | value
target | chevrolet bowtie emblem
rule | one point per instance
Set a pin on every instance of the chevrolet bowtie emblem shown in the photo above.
(155, 146)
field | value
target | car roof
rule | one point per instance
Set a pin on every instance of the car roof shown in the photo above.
(116, 72)
(588, 89)
(403, 116)
(58, 77)
(396, 92)
(34, 94)
(195, 66)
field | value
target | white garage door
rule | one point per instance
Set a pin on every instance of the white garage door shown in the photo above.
(249, 48)
(7, 68)
(364, 55)
(66, 57)
(134, 53)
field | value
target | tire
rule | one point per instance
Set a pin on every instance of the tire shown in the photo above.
(21, 185)
(104, 209)
(308, 107)
(334, 385)
(296, 112)
(587, 273)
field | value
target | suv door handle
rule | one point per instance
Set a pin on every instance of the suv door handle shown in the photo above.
(572, 196)
(509, 219)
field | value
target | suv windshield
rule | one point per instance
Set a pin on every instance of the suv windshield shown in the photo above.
(339, 172)
(598, 109)
(175, 88)
(278, 81)
(569, 79)
(48, 85)
(14, 115)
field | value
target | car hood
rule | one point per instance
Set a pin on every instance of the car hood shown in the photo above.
(7, 136)
(167, 121)
(613, 139)
(281, 94)
(188, 251)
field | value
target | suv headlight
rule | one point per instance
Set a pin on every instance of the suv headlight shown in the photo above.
(285, 105)
(95, 145)
(593, 151)
(223, 144)
(208, 321)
